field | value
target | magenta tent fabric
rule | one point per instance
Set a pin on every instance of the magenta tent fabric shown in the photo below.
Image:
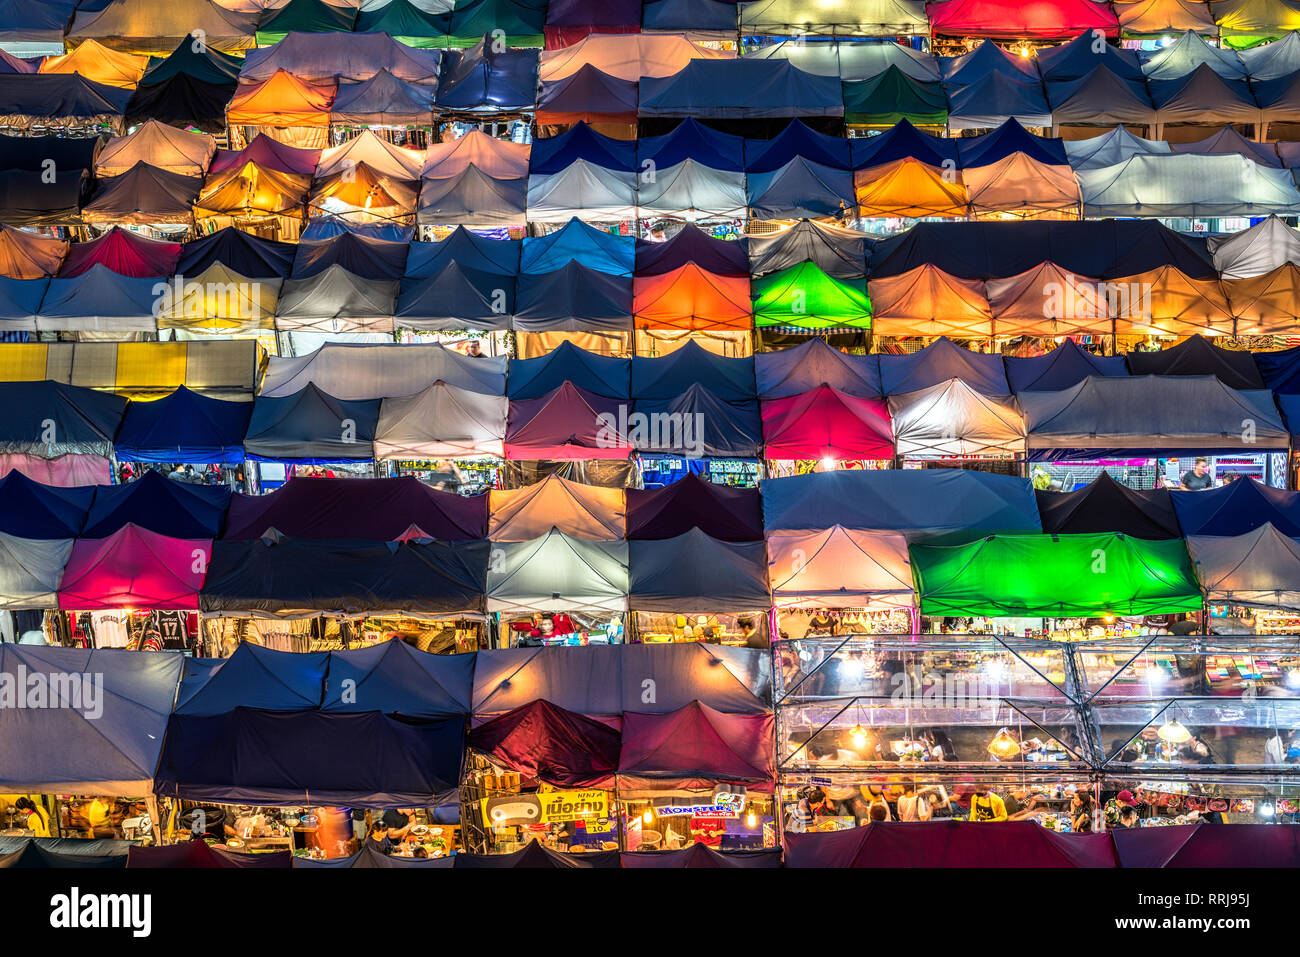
(545, 742)
(125, 253)
(701, 855)
(1209, 845)
(135, 568)
(382, 510)
(695, 747)
(567, 424)
(950, 844)
(827, 423)
(720, 511)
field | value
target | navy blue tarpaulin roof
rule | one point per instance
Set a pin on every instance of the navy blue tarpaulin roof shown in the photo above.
(712, 427)
(903, 141)
(29, 509)
(456, 297)
(742, 88)
(469, 249)
(609, 376)
(395, 678)
(926, 504)
(692, 140)
(160, 504)
(1104, 505)
(255, 677)
(590, 93)
(789, 372)
(1237, 508)
(49, 419)
(1080, 56)
(359, 255)
(694, 572)
(59, 852)
(940, 361)
(484, 79)
(1197, 355)
(238, 251)
(988, 148)
(184, 427)
(573, 297)
(311, 426)
(796, 141)
(555, 154)
(282, 576)
(1280, 370)
(1064, 366)
(1103, 249)
(730, 379)
(720, 511)
(691, 245)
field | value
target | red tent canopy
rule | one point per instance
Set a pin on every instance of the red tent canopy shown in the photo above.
(125, 253)
(950, 844)
(826, 423)
(1209, 845)
(548, 743)
(1015, 19)
(135, 568)
(695, 747)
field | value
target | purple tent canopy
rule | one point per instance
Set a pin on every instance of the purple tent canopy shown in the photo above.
(1209, 845)
(548, 743)
(694, 747)
(374, 509)
(720, 511)
(692, 245)
(197, 854)
(567, 423)
(535, 855)
(701, 855)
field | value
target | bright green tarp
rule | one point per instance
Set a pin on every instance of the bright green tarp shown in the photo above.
(892, 96)
(804, 297)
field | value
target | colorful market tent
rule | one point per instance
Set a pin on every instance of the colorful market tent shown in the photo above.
(579, 511)
(1064, 366)
(1102, 98)
(47, 853)
(1186, 185)
(26, 255)
(297, 108)
(1188, 52)
(838, 252)
(547, 743)
(98, 63)
(486, 80)
(581, 173)
(161, 146)
(995, 98)
(695, 747)
(184, 426)
(1260, 568)
(602, 375)
(1237, 508)
(1199, 356)
(144, 26)
(892, 96)
(1162, 17)
(909, 188)
(144, 196)
(952, 420)
(692, 172)
(1228, 140)
(1267, 304)
(720, 511)
(1256, 251)
(123, 252)
(522, 21)
(67, 100)
(742, 88)
(407, 23)
(1279, 370)
(75, 749)
(476, 178)
(700, 855)
(20, 302)
(1268, 61)
(1055, 576)
(383, 100)
(337, 300)
(33, 510)
(731, 379)
(986, 58)
(580, 242)
(30, 570)
(698, 423)
(568, 423)
(1008, 19)
(790, 372)
(691, 298)
(1203, 96)
(587, 96)
(379, 370)
(187, 88)
(1104, 505)
(1080, 56)
(840, 568)
(294, 578)
(557, 573)
(409, 682)
(800, 187)
(573, 298)
(442, 421)
(36, 28)
(1022, 844)
(805, 298)
(472, 250)
(362, 256)
(825, 423)
(1166, 301)
(1164, 415)
(347, 57)
(367, 509)
(626, 56)
(158, 504)
(695, 572)
(697, 19)
(690, 245)
(1048, 300)
(940, 361)
(925, 504)
(837, 17)
(311, 426)
(134, 568)
(926, 301)
(72, 419)
(241, 252)
(1247, 22)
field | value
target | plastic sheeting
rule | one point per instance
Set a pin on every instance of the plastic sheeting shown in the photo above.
(134, 568)
(1055, 576)
(579, 511)
(840, 568)
(695, 572)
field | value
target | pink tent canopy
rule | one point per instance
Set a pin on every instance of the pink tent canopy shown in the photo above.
(1015, 19)
(826, 423)
(125, 253)
(695, 747)
(1210, 845)
(64, 471)
(950, 844)
(135, 568)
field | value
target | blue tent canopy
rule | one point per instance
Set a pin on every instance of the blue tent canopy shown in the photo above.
(99, 299)
(995, 98)
(953, 505)
(456, 298)
(331, 227)
(1237, 508)
(60, 852)
(1082, 55)
(1280, 370)
(29, 509)
(1064, 366)
(36, 21)
(253, 756)
(240, 252)
(283, 576)
(484, 79)
(694, 572)
(797, 140)
(360, 255)
(20, 302)
(50, 418)
(800, 189)
(311, 425)
(741, 88)
(574, 297)
(254, 677)
(940, 361)
(903, 141)
(1289, 404)
(467, 248)
(160, 504)
(184, 427)
(396, 679)
(730, 379)
(783, 373)
(995, 145)
(555, 154)
(577, 241)
(730, 429)
(103, 744)
(675, 16)
(692, 140)
(986, 60)
(608, 376)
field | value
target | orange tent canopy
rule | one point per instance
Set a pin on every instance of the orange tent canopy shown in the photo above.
(688, 297)
(1048, 301)
(926, 301)
(1267, 304)
(252, 190)
(97, 62)
(25, 255)
(1167, 301)
(1020, 186)
(282, 100)
(908, 187)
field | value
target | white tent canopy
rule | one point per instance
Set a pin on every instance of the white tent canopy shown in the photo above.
(952, 419)
(1187, 185)
(1112, 147)
(558, 573)
(582, 511)
(1255, 251)
(30, 571)
(1260, 568)
(443, 421)
(840, 568)
(352, 371)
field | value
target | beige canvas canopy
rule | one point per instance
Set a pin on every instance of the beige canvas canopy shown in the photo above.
(1017, 185)
(1166, 301)
(1048, 301)
(587, 512)
(840, 568)
(1267, 304)
(926, 301)
(951, 419)
(373, 151)
(161, 146)
(628, 56)
(499, 159)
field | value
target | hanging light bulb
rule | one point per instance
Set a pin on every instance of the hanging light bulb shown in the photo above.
(859, 735)
(1173, 732)
(751, 819)
(1266, 809)
(1004, 745)
(648, 816)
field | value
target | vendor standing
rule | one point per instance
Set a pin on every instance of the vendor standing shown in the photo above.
(1198, 477)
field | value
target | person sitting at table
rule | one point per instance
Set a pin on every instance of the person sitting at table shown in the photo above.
(378, 839)
(399, 823)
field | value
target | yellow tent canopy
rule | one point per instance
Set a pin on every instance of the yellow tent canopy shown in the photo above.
(221, 368)
(282, 100)
(907, 187)
(97, 62)
(1166, 301)
(221, 301)
(1267, 304)
(926, 301)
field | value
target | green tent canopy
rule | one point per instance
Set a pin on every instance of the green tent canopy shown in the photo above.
(304, 16)
(1055, 576)
(520, 20)
(406, 23)
(805, 298)
(889, 97)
